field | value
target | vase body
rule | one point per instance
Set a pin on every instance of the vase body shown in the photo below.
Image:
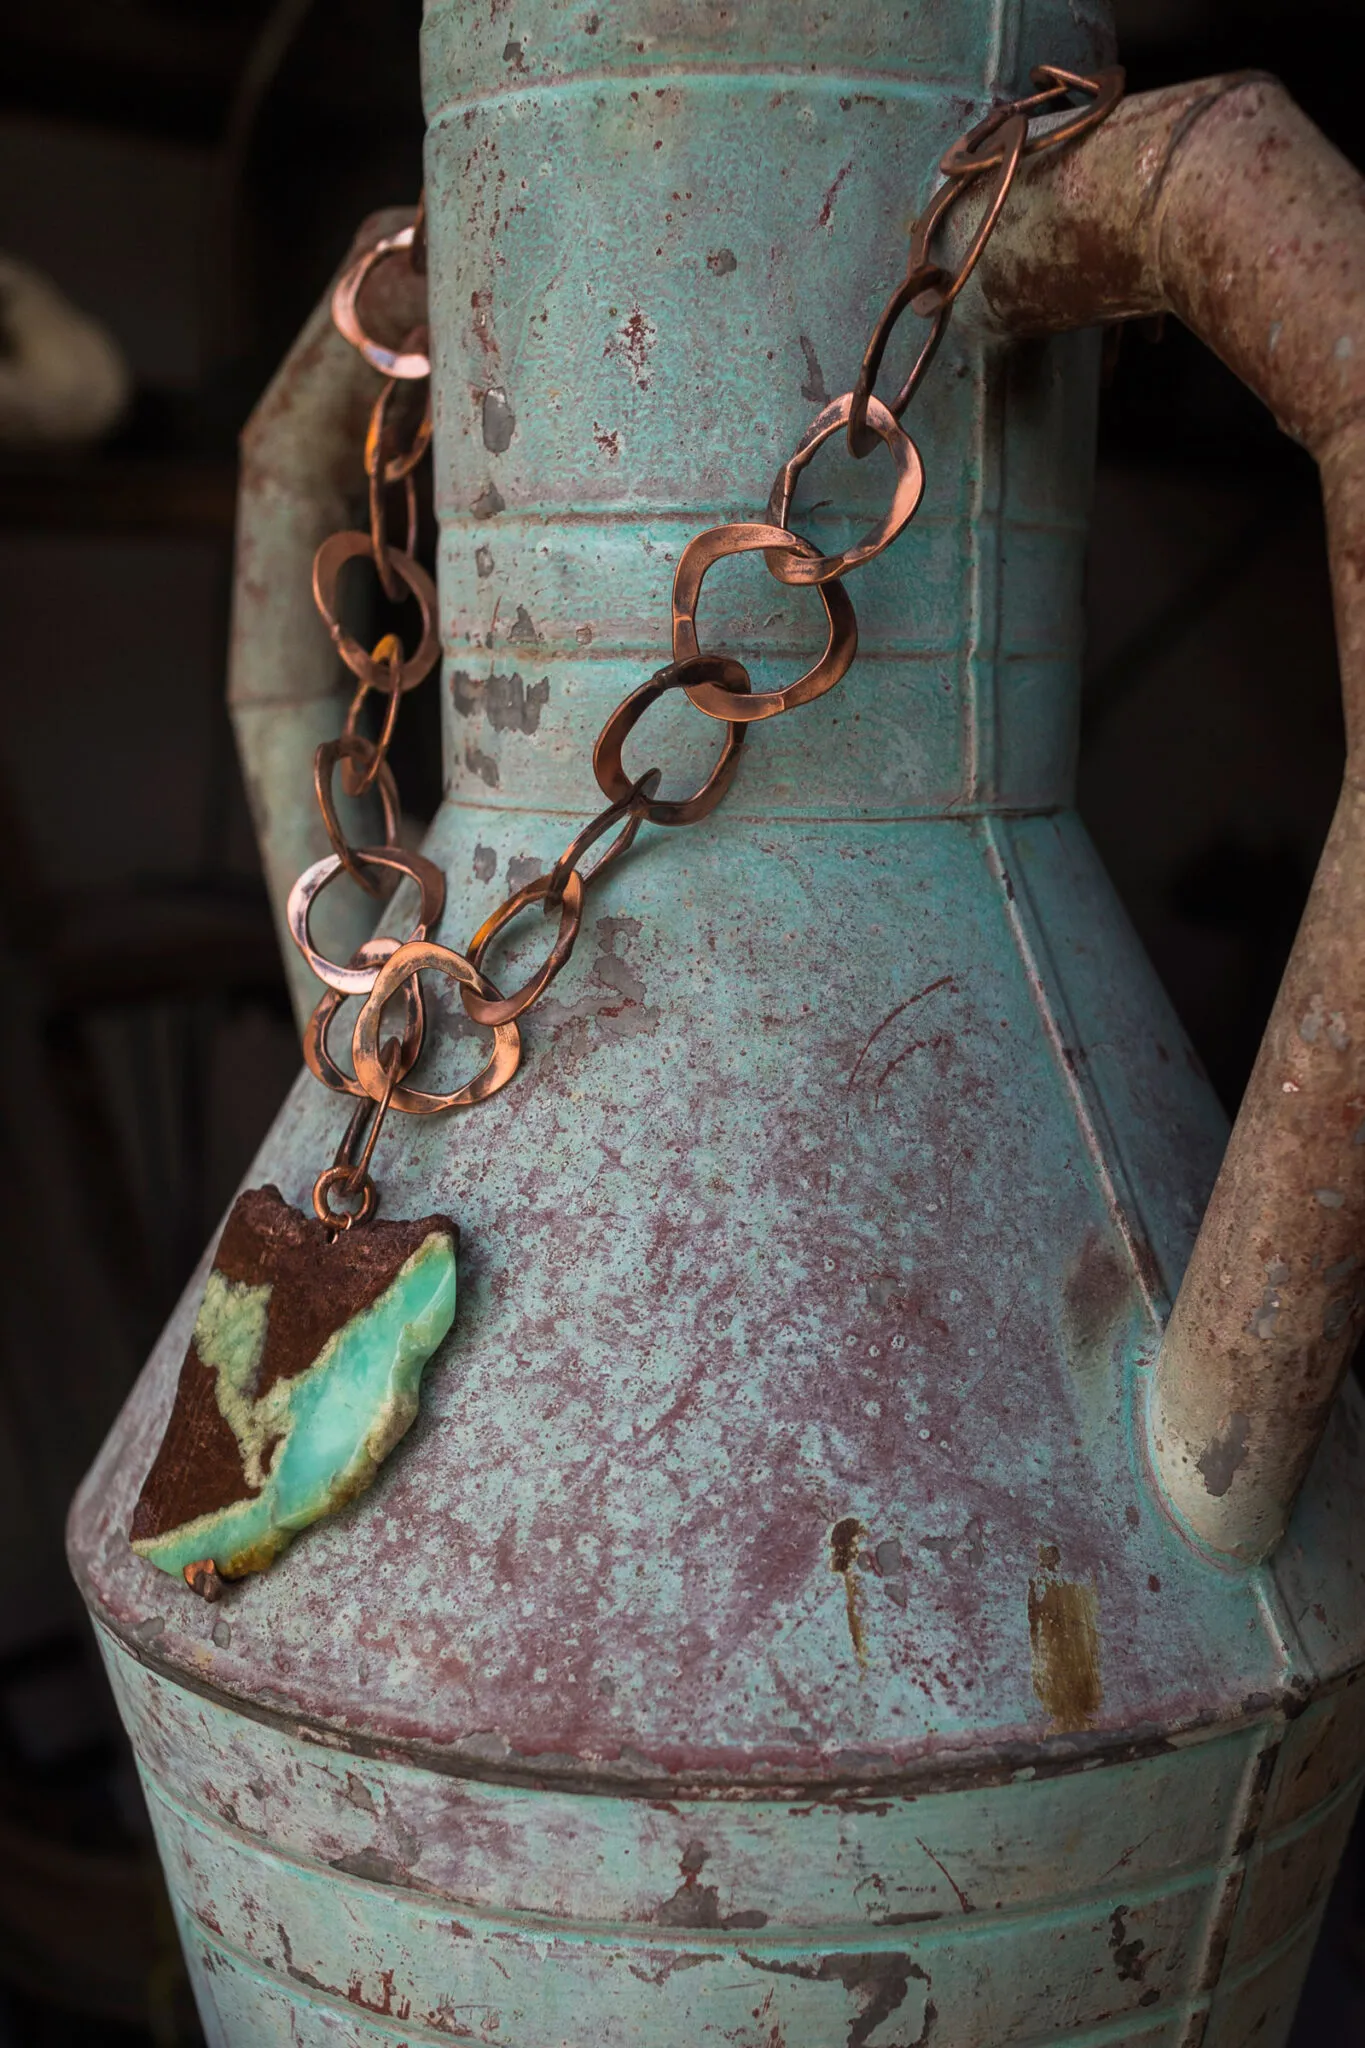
(767, 1634)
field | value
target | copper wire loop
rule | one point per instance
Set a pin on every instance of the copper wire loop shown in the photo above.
(861, 439)
(502, 1009)
(713, 698)
(937, 298)
(317, 1057)
(1104, 91)
(342, 1219)
(406, 362)
(358, 981)
(799, 569)
(353, 747)
(730, 676)
(328, 562)
(415, 958)
(631, 808)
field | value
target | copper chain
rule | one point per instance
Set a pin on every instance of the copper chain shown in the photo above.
(388, 970)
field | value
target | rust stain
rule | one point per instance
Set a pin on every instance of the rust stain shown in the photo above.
(1064, 1643)
(844, 1540)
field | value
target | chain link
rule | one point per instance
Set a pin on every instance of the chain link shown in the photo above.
(396, 443)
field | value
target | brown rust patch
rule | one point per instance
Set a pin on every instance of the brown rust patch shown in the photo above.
(1095, 1293)
(844, 1541)
(1064, 1644)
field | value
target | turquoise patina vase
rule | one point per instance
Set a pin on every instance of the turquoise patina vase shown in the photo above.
(767, 1634)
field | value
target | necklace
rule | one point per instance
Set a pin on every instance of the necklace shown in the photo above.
(306, 1359)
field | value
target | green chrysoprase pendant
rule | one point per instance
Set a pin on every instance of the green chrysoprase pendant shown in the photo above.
(301, 1375)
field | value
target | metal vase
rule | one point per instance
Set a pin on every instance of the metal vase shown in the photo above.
(768, 1634)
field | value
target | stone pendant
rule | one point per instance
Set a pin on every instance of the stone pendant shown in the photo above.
(301, 1376)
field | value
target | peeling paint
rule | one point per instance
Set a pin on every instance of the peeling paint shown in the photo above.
(1224, 1456)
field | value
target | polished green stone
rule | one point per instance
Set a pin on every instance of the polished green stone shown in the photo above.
(314, 1441)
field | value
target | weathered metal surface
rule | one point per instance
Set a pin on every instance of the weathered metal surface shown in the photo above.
(775, 1539)
(1092, 1905)
(298, 468)
(1221, 203)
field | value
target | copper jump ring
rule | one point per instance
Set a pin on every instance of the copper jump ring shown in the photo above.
(1104, 91)
(842, 644)
(358, 981)
(502, 1009)
(317, 1057)
(799, 569)
(632, 809)
(407, 362)
(328, 562)
(415, 958)
(718, 670)
(353, 747)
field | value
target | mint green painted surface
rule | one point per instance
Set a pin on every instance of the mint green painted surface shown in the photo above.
(854, 1162)
(338, 1420)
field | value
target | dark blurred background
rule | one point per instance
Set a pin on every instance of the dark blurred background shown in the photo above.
(188, 172)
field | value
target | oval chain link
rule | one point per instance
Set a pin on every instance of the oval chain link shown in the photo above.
(717, 684)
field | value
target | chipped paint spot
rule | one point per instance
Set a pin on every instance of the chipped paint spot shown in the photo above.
(721, 262)
(499, 421)
(1130, 1959)
(880, 1984)
(1225, 1455)
(814, 386)
(489, 502)
(483, 561)
(1064, 1644)
(1318, 1022)
(504, 700)
(482, 765)
(523, 868)
(608, 440)
(485, 861)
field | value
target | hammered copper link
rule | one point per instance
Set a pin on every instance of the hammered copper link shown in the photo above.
(799, 569)
(357, 981)
(731, 677)
(927, 288)
(502, 1009)
(936, 298)
(317, 1057)
(631, 808)
(355, 781)
(353, 747)
(716, 684)
(861, 439)
(328, 563)
(407, 362)
(409, 960)
(385, 471)
(842, 644)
